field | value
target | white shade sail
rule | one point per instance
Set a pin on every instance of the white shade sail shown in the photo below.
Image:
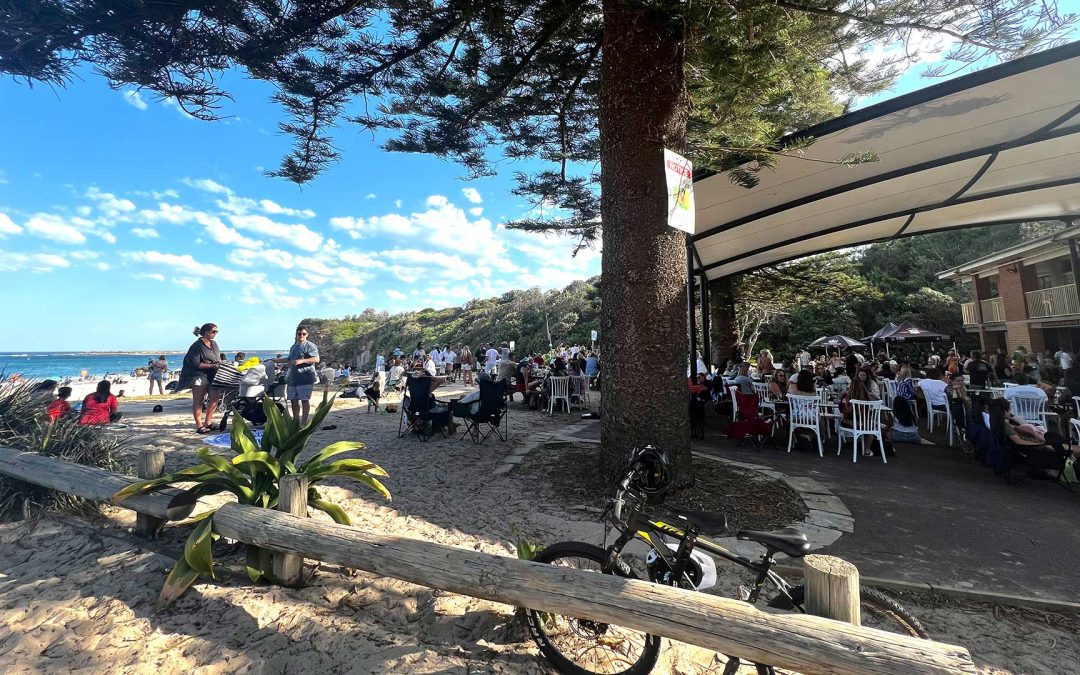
(999, 145)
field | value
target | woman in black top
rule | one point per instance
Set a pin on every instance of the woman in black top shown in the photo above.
(200, 364)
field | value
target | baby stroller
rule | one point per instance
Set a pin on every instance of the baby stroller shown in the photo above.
(256, 384)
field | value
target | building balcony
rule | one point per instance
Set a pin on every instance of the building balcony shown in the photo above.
(971, 317)
(992, 310)
(1056, 301)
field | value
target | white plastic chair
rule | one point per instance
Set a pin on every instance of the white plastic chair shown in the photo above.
(579, 387)
(828, 410)
(890, 392)
(997, 392)
(805, 413)
(865, 421)
(560, 391)
(1031, 409)
(932, 414)
(734, 401)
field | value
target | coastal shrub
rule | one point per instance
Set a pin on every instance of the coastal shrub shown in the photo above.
(24, 425)
(253, 474)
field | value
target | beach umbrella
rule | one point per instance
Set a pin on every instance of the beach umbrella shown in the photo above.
(838, 341)
(880, 334)
(909, 332)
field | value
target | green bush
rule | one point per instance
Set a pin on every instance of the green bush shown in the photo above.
(253, 474)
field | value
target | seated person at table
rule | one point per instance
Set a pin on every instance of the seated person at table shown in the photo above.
(743, 381)
(525, 382)
(978, 370)
(427, 369)
(866, 376)
(840, 380)
(506, 369)
(778, 387)
(959, 401)
(905, 428)
(905, 383)
(1023, 388)
(933, 387)
(60, 407)
(887, 370)
(100, 407)
(558, 366)
(803, 384)
(1029, 444)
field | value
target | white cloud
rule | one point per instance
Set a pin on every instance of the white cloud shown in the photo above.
(207, 185)
(103, 266)
(154, 276)
(302, 283)
(145, 232)
(223, 234)
(297, 235)
(338, 294)
(473, 195)
(397, 203)
(134, 98)
(273, 256)
(370, 195)
(477, 210)
(188, 266)
(35, 262)
(274, 208)
(192, 283)
(107, 236)
(8, 226)
(48, 226)
(83, 255)
(171, 102)
(109, 204)
(395, 295)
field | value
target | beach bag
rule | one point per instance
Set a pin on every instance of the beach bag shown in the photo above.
(226, 377)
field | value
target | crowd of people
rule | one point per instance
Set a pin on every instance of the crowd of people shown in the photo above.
(942, 381)
(525, 374)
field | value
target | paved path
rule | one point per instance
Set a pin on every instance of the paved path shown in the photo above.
(937, 516)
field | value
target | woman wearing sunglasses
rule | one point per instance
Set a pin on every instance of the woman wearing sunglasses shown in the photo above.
(200, 364)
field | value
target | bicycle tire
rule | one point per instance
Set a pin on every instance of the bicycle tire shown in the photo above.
(586, 630)
(871, 601)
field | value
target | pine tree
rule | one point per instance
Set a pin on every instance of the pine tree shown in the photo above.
(572, 82)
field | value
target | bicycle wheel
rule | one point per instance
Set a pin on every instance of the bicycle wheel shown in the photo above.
(878, 611)
(582, 647)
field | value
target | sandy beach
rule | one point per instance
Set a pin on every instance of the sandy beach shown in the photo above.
(76, 596)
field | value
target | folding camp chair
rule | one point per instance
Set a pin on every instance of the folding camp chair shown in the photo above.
(416, 409)
(492, 413)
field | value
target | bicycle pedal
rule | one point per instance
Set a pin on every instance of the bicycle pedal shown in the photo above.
(744, 593)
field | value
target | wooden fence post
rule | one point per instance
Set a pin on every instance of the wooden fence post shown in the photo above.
(151, 465)
(832, 588)
(292, 499)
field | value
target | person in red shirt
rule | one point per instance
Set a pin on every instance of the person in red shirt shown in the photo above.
(60, 407)
(100, 407)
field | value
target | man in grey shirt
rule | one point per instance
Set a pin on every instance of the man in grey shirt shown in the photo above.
(303, 356)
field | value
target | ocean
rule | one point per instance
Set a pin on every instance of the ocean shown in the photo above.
(61, 365)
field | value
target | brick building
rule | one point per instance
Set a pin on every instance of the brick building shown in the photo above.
(1025, 295)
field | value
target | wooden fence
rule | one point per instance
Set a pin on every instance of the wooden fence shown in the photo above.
(804, 643)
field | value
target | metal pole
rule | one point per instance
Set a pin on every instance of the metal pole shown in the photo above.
(706, 337)
(690, 307)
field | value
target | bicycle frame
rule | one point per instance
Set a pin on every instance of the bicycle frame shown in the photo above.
(640, 526)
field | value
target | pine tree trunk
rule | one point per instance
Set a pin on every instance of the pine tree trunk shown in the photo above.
(644, 107)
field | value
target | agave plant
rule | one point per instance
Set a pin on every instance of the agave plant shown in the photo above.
(253, 474)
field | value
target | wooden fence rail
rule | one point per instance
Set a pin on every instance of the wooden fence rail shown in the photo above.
(804, 643)
(89, 483)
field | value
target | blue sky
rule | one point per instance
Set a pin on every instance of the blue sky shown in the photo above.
(124, 222)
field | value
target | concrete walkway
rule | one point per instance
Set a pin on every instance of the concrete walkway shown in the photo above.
(936, 516)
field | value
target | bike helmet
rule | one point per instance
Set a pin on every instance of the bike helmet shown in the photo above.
(651, 473)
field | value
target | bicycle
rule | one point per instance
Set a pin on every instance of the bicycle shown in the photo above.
(580, 647)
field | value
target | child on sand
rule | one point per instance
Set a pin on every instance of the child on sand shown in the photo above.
(60, 407)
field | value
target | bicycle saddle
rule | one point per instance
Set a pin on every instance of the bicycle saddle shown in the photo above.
(710, 523)
(788, 540)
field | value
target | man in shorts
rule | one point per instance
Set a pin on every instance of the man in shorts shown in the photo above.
(303, 356)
